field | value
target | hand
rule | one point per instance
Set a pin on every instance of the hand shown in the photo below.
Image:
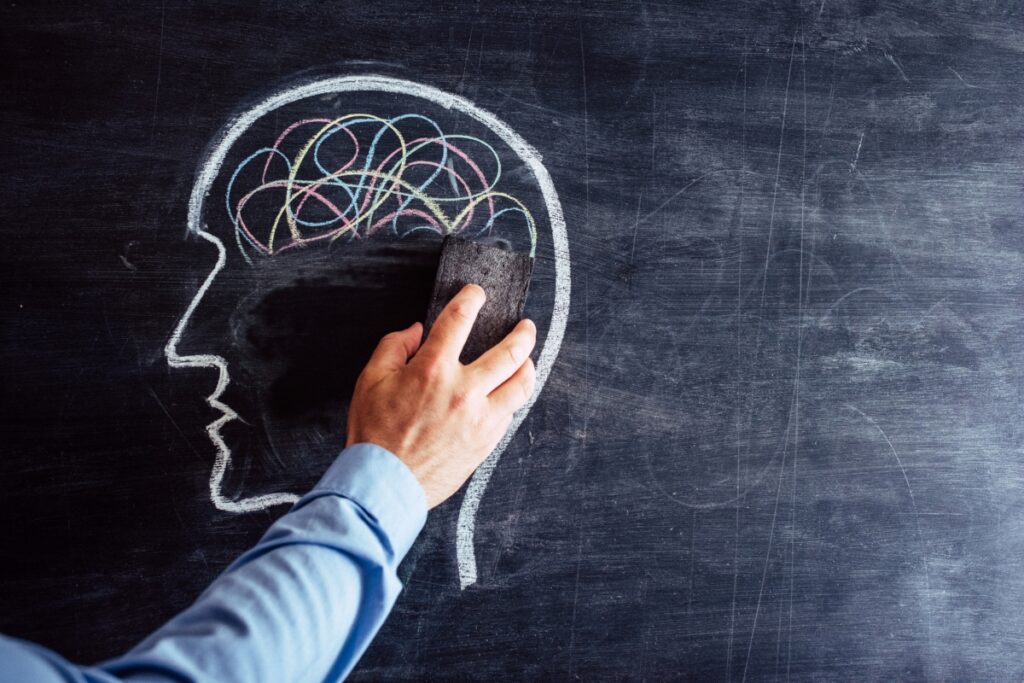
(442, 418)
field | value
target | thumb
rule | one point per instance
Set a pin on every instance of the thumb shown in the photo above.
(393, 352)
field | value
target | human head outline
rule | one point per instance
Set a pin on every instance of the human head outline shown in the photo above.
(208, 171)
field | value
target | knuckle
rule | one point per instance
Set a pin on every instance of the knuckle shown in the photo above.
(518, 348)
(513, 353)
(431, 369)
(460, 399)
(460, 311)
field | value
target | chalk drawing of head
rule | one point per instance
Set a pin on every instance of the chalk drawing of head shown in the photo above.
(327, 181)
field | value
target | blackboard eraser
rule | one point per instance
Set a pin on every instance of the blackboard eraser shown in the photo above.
(505, 277)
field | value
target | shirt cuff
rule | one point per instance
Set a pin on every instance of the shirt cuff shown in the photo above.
(380, 483)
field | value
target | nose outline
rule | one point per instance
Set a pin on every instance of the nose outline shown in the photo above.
(222, 460)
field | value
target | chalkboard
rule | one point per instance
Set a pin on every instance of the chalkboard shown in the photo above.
(779, 285)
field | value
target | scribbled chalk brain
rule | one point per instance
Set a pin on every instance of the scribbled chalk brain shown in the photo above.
(325, 180)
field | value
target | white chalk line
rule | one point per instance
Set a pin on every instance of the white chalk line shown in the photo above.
(208, 171)
(223, 458)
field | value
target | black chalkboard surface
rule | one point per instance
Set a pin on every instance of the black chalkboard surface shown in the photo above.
(782, 436)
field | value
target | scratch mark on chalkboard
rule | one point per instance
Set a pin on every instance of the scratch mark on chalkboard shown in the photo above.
(693, 547)
(778, 171)
(516, 512)
(693, 182)
(110, 333)
(159, 70)
(645, 636)
(586, 365)
(856, 156)
(771, 540)
(899, 67)
(181, 522)
(575, 598)
(821, 9)
(586, 223)
(274, 452)
(895, 455)
(465, 62)
(586, 129)
(654, 130)
(931, 309)
(480, 54)
(884, 225)
(531, 105)
(138, 354)
(174, 506)
(969, 85)
(835, 304)
(831, 99)
(583, 446)
(750, 481)
(778, 644)
(173, 421)
(799, 351)
(739, 378)
(913, 505)
(636, 229)
(210, 168)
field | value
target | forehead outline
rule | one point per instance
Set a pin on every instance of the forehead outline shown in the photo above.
(210, 168)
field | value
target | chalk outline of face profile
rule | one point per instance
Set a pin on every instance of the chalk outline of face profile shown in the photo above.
(208, 171)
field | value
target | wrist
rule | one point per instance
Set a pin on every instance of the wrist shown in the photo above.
(378, 481)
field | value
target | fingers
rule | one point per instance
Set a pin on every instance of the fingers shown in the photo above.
(499, 362)
(452, 327)
(393, 351)
(516, 390)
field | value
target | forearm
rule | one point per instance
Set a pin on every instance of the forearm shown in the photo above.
(304, 603)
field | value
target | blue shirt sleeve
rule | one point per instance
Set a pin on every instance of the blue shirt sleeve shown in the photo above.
(302, 605)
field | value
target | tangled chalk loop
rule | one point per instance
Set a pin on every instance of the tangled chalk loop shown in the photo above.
(337, 185)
